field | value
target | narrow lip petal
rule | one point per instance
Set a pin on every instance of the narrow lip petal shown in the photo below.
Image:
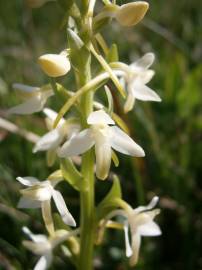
(78, 144)
(28, 181)
(99, 117)
(44, 262)
(122, 143)
(136, 242)
(62, 208)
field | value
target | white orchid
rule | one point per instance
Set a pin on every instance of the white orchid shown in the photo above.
(104, 137)
(141, 223)
(53, 139)
(35, 99)
(39, 194)
(135, 77)
(43, 246)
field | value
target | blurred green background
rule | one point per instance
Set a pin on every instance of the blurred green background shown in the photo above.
(170, 132)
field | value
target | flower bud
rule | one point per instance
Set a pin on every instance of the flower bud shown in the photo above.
(36, 3)
(132, 13)
(54, 65)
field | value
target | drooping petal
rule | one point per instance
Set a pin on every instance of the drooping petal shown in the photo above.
(103, 154)
(136, 241)
(28, 203)
(143, 92)
(28, 181)
(129, 251)
(50, 140)
(99, 117)
(62, 208)
(144, 62)
(44, 262)
(121, 142)
(128, 106)
(77, 145)
(149, 229)
(47, 216)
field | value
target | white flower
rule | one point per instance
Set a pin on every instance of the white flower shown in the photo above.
(53, 139)
(43, 246)
(54, 65)
(38, 195)
(140, 221)
(136, 76)
(104, 137)
(35, 99)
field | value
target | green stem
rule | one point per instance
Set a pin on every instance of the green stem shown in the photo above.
(86, 197)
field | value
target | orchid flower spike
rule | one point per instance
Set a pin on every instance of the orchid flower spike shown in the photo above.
(39, 194)
(54, 65)
(136, 76)
(43, 246)
(141, 223)
(53, 139)
(35, 98)
(36, 3)
(104, 137)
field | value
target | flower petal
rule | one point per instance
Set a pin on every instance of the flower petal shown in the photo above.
(143, 92)
(150, 206)
(144, 62)
(103, 154)
(121, 142)
(136, 241)
(146, 76)
(44, 262)
(50, 140)
(128, 106)
(28, 203)
(99, 117)
(25, 88)
(77, 145)
(62, 208)
(149, 229)
(129, 251)
(36, 238)
(52, 116)
(28, 181)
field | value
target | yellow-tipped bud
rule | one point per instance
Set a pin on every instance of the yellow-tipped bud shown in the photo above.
(54, 65)
(132, 13)
(36, 3)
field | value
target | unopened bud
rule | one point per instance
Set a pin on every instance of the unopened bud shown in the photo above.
(132, 13)
(54, 65)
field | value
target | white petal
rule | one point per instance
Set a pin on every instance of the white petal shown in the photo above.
(129, 251)
(121, 142)
(149, 229)
(77, 145)
(44, 262)
(52, 116)
(143, 92)
(128, 106)
(28, 203)
(50, 140)
(62, 208)
(25, 88)
(144, 62)
(150, 206)
(99, 117)
(146, 76)
(28, 181)
(136, 241)
(36, 238)
(103, 158)
(40, 192)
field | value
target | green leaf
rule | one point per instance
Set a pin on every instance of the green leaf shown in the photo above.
(109, 203)
(72, 175)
